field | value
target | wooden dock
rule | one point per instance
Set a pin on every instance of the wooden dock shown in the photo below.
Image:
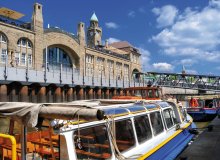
(206, 146)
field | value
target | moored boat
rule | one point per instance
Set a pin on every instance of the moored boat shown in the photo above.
(94, 130)
(141, 93)
(203, 108)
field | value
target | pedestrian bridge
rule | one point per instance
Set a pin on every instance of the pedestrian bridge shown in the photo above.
(187, 81)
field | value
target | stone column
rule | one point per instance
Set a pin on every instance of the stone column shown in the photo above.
(115, 92)
(57, 95)
(50, 97)
(127, 93)
(33, 94)
(13, 95)
(41, 95)
(81, 94)
(74, 94)
(107, 94)
(90, 93)
(99, 93)
(24, 94)
(121, 92)
(3, 93)
(69, 95)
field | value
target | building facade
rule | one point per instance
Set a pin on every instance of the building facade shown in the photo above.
(40, 64)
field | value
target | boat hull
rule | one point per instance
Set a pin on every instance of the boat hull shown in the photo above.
(202, 115)
(174, 147)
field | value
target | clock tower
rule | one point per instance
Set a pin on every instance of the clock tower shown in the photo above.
(94, 33)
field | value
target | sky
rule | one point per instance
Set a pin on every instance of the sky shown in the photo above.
(170, 34)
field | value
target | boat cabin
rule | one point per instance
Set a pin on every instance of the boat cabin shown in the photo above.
(147, 93)
(126, 131)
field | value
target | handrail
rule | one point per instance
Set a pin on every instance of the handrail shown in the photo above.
(13, 144)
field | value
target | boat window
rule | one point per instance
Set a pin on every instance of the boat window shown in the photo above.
(124, 134)
(150, 93)
(142, 127)
(168, 116)
(157, 93)
(137, 93)
(92, 143)
(156, 122)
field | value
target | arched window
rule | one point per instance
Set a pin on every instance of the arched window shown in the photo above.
(3, 47)
(24, 52)
(57, 57)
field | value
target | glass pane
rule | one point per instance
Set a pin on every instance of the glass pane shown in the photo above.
(168, 117)
(150, 93)
(142, 127)
(3, 55)
(92, 143)
(124, 135)
(156, 122)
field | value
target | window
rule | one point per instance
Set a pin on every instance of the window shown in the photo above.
(29, 59)
(3, 55)
(24, 48)
(23, 58)
(92, 143)
(3, 48)
(124, 135)
(150, 93)
(57, 57)
(156, 122)
(142, 127)
(157, 93)
(168, 117)
(23, 42)
(17, 58)
(3, 38)
(29, 44)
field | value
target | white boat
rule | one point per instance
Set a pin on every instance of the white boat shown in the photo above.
(94, 130)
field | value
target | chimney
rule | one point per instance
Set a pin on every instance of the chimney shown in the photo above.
(106, 43)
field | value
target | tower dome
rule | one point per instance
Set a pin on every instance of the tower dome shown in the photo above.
(94, 17)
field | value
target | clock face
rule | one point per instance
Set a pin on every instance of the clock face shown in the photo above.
(91, 33)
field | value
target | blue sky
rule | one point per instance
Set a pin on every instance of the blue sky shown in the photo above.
(169, 33)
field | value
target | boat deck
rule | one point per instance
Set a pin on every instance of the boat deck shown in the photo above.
(206, 146)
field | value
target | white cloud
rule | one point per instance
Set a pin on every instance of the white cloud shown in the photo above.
(163, 67)
(131, 14)
(188, 62)
(112, 25)
(166, 15)
(145, 58)
(195, 34)
(112, 40)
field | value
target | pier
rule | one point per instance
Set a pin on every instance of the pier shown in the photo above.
(206, 146)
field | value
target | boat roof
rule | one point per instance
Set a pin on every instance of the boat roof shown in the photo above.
(28, 113)
(204, 97)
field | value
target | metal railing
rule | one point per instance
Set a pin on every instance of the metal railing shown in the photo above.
(13, 145)
(25, 25)
(58, 74)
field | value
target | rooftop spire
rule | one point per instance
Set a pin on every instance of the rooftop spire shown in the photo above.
(183, 70)
(94, 17)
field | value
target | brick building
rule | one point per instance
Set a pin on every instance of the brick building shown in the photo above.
(40, 64)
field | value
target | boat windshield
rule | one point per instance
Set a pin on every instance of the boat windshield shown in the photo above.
(142, 127)
(156, 122)
(92, 143)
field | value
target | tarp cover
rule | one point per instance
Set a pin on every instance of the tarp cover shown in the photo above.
(28, 113)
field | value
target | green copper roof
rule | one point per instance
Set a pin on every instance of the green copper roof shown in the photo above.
(94, 18)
